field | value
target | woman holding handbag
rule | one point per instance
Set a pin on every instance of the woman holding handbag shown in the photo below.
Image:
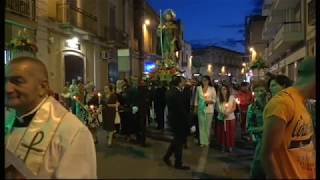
(110, 106)
(226, 125)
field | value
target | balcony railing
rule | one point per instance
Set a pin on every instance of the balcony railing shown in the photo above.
(312, 13)
(26, 8)
(77, 17)
(115, 36)
(288, 28)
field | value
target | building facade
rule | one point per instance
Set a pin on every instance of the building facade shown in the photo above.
(151, 20)
(219, 63)
(290, 32)
(78, 39)
(254, 27)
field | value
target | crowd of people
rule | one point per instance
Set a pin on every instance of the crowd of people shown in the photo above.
(272, 113)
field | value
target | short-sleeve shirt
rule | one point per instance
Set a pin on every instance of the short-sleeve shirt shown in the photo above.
(296, 156)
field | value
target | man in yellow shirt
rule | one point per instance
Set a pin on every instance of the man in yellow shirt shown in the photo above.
(287, 144)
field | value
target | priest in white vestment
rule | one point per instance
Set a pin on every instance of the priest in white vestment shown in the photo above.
(50, 140)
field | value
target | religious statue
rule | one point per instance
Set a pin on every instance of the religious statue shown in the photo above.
(169, 34)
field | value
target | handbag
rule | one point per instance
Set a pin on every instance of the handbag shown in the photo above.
(117, 118)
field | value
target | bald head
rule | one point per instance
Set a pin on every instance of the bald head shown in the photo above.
(36, 67)
(26, 84)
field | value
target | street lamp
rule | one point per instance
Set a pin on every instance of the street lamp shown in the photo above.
(223, 70)
(242, 71)
(253, 53)
(209, 68)
(147, 22)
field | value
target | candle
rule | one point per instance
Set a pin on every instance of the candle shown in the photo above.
(226, 105)
(237, 100)
(99, 97)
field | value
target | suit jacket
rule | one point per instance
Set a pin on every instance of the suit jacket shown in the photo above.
(177, 113)
(159, 100)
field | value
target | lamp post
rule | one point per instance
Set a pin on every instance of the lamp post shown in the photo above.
(253, 54)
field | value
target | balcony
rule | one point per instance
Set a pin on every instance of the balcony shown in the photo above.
(266, 7)
(312, 13)
(273, 23)
(74, 17)
(116, 37)
(25, 8)
(289, 34)
(284, 4)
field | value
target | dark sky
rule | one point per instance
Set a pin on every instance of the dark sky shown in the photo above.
(212, 22)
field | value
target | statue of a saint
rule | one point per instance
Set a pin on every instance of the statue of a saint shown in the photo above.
(169, 35)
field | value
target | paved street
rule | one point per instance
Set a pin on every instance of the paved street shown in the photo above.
(124, 160)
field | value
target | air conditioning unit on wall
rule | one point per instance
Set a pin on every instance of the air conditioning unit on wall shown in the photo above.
(106, 55)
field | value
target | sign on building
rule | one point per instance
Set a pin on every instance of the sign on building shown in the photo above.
(123, 60)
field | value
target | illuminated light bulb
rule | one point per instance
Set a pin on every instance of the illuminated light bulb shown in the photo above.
(99, 94)
(74, 97)
(92, 106)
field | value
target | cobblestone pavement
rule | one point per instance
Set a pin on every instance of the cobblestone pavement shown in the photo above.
(128, 160)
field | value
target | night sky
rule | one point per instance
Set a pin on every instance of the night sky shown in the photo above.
(212, 22)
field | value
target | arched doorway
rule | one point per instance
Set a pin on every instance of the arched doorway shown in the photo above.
(74, 67)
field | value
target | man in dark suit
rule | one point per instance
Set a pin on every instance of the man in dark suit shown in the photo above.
(135, 101)
(177, 116)
(187, 95)
(160, 104)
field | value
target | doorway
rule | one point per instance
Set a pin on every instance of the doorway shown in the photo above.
(74, 68)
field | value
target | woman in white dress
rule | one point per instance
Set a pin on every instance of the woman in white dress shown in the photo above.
(204, 105)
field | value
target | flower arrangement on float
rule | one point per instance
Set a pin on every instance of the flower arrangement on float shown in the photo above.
(164, 72)
(22, 44)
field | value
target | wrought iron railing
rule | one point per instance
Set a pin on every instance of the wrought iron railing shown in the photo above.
(26, 8)
(288, 27)
(115, 36)
(77, 17)
(312, 13)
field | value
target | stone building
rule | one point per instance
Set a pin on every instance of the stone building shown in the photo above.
(219, 63)
(80, 38)
(290, 32)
